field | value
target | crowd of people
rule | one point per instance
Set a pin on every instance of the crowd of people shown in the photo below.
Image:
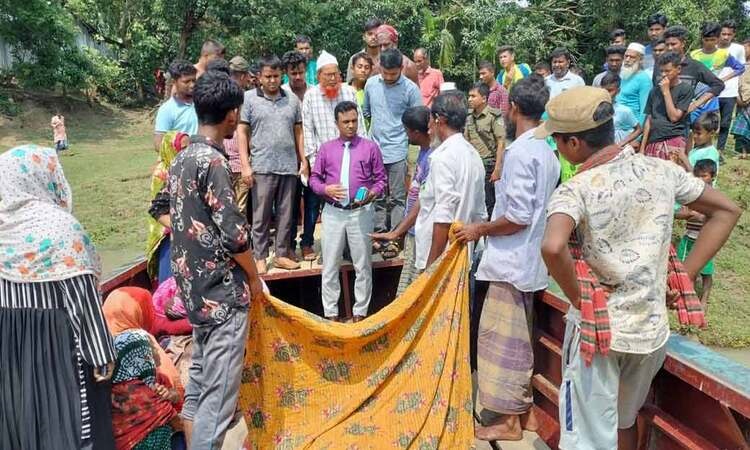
(545, 175)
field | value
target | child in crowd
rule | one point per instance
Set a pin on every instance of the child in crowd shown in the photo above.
(715, 59)
(361, 70)
(627, 128)
(705, 169)
(704, 130)
(542, 69)
(741, 125)
(616, 205)
(485, 131)
(666, 113)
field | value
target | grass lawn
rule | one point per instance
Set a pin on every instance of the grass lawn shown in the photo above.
(109, 168)
(729, 306)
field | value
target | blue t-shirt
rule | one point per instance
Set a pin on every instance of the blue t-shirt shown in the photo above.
(384, 105)
(625, 121)
(634, 93)
(176, 116)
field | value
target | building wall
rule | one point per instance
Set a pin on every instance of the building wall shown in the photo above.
(83, 39)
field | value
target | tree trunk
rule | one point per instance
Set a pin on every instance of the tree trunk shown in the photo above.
(188, 25)
(184, 38)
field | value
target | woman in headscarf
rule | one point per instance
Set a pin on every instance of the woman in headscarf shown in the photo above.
(170, 313)
(53, 339)
(157, 248)
(146, 391)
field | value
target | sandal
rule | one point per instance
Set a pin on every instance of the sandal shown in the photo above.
(390, 250)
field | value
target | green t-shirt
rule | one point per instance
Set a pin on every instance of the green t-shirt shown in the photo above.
(567, 169)
(709, 152)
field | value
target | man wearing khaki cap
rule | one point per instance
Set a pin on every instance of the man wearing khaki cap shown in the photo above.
(239, 70)
(620, 205)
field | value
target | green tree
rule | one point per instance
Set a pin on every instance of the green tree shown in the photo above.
(42, 37)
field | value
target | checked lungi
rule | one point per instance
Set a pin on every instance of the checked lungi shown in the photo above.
(505, 360)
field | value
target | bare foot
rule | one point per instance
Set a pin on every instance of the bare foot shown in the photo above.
(505, 428)
(529, 422)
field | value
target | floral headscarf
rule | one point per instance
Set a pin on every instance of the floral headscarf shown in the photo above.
(130, 308)
(40, 240)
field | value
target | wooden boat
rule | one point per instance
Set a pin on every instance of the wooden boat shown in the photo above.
(699, 400)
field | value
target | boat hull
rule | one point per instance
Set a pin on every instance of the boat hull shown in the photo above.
(698, 400)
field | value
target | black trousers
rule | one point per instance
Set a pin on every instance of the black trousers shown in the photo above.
(726, 110)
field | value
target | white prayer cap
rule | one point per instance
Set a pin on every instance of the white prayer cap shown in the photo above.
(447, 86)
(325, 59)
(636, 47)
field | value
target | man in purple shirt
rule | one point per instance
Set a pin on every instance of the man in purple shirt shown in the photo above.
(344, 166)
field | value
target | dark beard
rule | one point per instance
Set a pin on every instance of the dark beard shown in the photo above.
(510, 130)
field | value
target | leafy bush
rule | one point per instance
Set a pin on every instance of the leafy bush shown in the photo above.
(8, 107)
(108, 79)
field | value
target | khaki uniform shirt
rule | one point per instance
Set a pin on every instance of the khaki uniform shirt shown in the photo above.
(483, 130)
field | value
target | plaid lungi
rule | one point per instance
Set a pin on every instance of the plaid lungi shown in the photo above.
(505, 360)
(666, 149)
(741, 125)
(409, 273)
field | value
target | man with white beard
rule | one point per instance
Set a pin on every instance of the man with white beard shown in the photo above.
(319, 126)
(636, 83)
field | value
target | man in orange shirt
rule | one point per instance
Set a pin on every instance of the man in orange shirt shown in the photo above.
(429, 79)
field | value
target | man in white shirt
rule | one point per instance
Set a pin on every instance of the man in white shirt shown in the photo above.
(512, 263)
(561, 78)
(728, 97)
(454, 189)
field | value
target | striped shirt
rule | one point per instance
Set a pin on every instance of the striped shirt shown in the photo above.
(80, 298)
(318, 122)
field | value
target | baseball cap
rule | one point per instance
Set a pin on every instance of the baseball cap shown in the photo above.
(573, 111)
(239, 64)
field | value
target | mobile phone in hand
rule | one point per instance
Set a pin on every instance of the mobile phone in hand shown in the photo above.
(361, 194)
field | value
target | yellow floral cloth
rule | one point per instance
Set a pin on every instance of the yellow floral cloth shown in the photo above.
(399, 379)
(167, 153)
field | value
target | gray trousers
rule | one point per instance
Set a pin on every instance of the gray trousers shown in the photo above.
(269, 191)
(393, 203)
(214, 380)
(339, 227)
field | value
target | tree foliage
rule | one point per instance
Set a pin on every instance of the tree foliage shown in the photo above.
(478, 27)
(144, 35)
(41, 36)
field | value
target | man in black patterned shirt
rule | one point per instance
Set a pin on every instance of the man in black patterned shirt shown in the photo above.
(212, 263)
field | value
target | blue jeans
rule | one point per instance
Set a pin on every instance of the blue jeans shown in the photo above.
(165, 263)
(312, 212)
